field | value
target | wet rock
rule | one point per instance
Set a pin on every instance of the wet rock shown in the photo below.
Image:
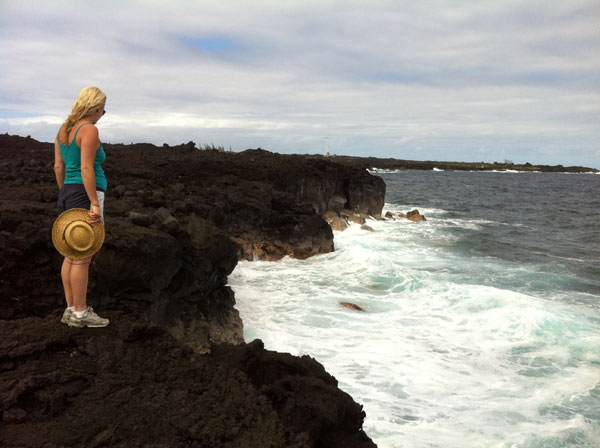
(330, 216)
(338, 224)
(367, 228)
(352, 216)
(352, 306)
(308, 238)
(389, 215)
(346, 213)
(415, 216)
(357, 219)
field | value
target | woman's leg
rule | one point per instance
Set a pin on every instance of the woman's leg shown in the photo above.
(65, 273)
(79, 282)
(83, 316)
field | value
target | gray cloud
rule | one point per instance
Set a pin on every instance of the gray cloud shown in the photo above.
(464, 80)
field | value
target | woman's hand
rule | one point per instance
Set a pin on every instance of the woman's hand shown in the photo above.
(95, 214)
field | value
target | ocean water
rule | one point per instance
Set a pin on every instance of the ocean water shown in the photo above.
(482, 325)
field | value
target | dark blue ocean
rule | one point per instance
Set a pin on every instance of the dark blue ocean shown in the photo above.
(482, 326)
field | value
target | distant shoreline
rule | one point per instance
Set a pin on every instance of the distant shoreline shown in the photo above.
(374, 163)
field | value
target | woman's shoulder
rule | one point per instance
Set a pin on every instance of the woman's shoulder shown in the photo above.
(86, 126)
(88, 130)
(88, 137)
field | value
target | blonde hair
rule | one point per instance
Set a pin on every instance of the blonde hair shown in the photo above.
(89, 98)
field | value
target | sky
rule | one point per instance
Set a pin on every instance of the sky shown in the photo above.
(478, 80)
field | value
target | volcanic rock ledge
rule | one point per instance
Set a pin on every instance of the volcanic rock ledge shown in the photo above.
(178, 219)
(133, 385)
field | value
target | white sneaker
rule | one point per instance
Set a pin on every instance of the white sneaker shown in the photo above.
(89, 319)
(66, 316)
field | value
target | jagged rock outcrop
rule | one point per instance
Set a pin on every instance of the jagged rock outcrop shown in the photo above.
(352, 306)
(172, 215)
(132, 384)
(351, 216)
(329, 187)
(177, 221)
(176, 281)
(270, 204)
(338, 224)
(305, 396)
(415, 216)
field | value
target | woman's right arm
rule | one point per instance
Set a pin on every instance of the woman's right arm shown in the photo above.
(59, 165)
(90, 143)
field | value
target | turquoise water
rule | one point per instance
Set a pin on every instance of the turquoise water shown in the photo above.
(482, 325)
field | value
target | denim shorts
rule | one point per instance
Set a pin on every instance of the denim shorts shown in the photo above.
(74, 196)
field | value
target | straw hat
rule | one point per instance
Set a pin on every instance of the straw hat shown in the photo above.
(74, 237)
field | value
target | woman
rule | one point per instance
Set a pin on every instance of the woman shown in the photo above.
(78, 157)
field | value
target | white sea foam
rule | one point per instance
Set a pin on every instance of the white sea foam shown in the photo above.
(384, 171)
(439, 359)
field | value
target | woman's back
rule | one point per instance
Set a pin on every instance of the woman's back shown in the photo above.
(71, 155)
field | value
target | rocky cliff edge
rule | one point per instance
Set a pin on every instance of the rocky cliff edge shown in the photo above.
(172, 368)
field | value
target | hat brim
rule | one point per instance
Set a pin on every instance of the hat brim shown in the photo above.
(58, 230)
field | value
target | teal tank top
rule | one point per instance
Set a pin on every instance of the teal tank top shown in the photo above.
(71, 155)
